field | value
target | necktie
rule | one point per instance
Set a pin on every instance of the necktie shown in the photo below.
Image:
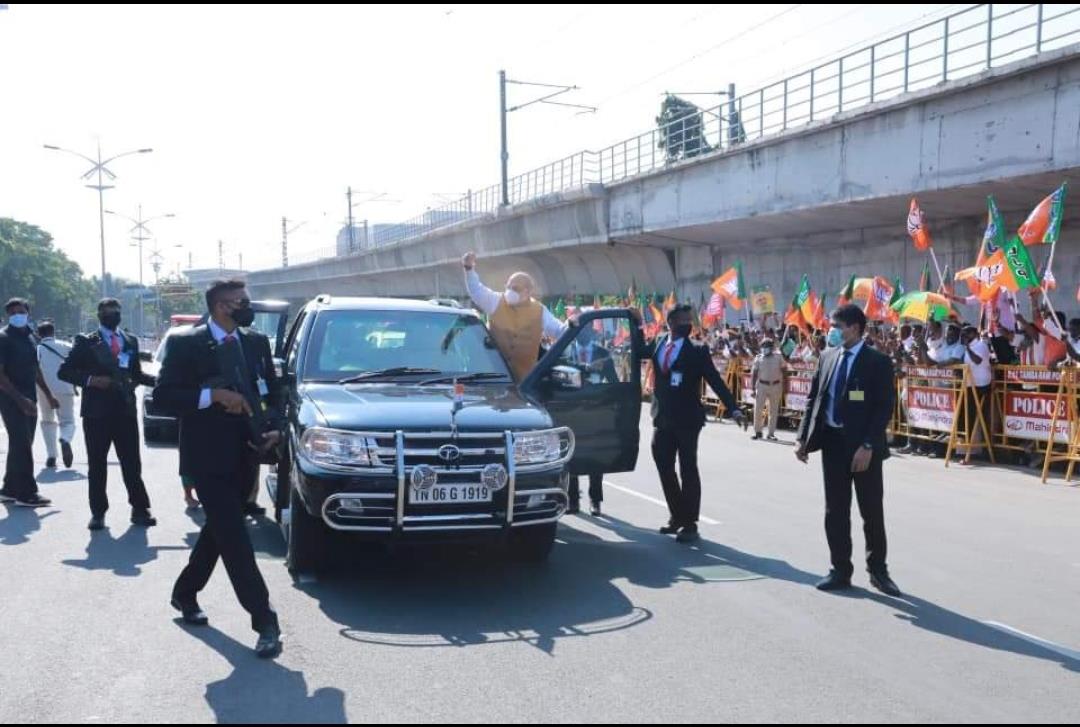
(115, 346)
(667, 356)
(230, 338)
(841, 387)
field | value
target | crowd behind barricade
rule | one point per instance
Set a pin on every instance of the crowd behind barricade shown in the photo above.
(991, 375)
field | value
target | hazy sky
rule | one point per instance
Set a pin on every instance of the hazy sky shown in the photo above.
(257, 112)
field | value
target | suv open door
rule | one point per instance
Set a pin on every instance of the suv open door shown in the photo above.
(271, 317)
(590, 381)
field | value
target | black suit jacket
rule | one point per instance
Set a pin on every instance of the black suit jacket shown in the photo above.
(864, 421)
(211, 441)
(680, 407)
(597, 354)
(91, 356)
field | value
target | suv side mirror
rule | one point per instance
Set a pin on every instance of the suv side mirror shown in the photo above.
(566, 377)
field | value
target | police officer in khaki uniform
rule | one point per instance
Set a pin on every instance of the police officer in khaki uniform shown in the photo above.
(768, 380)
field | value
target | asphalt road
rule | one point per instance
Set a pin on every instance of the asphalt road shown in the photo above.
(622, 624)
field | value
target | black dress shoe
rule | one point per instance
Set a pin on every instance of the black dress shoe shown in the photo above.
(883, 583)
(573, 508)
(97, 523)
(65, 450)
(834, 582)
(253, 509)
(670, 529)
(689, 534)
(190, 612)
(143, 517)
(269, 643)
(594, 509)
(50, 463)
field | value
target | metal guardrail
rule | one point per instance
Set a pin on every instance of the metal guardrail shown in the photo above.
(962, 44)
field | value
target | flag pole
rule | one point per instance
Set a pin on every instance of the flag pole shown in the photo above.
(933, 257)
(1046, 272)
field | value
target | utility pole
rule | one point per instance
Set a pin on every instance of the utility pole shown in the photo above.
(504, 155)
(285, 230)
(352, 242)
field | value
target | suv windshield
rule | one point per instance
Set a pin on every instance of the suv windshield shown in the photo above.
(349, 342)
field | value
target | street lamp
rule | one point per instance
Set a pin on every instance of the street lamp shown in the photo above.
(141, 234)
(99, 169)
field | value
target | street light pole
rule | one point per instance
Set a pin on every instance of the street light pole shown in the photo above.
(101, 169)
(142, 234)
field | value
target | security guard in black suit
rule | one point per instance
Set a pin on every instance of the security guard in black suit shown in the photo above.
(216, 440)
(848, 410)
(678, 416)
(105, 363)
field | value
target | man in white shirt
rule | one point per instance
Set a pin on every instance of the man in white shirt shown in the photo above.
(980, 377)
(51, 353)
(517, 321)
(952, 352)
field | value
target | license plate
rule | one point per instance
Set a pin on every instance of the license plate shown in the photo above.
(450, 495)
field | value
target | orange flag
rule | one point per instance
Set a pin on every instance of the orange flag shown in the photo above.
(916, 227)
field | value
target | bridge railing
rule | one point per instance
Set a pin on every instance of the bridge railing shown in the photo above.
(961, 44)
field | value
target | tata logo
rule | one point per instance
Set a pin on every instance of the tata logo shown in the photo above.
(449, 453)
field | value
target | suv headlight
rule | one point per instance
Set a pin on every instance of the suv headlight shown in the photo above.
(539, 447)
(337, 447)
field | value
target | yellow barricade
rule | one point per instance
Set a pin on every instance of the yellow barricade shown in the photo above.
(937, 404)
(1024, 409)
(1063, 423)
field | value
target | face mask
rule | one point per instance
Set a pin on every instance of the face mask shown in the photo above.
(243, 317)
(19, 320)
(109, 320)
(835, 338)
(767, 350)
(512, 296)
(678, 332)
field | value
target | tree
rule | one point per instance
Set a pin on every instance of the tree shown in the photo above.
(682, 133)
(177, 296)
(31, 267)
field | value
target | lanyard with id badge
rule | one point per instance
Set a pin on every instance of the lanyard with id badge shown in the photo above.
(855, 392)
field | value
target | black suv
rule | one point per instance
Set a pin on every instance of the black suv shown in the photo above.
(404, 424)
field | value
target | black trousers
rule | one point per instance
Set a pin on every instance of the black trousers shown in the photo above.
(836, 456)
(224, 535)
(121, 431)
(596, 489)
(19, 479)
(683, 500)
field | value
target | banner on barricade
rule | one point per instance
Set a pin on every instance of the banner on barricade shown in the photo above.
(1029, 415)
(797, 382)
(931, 398)
(1032, 376)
